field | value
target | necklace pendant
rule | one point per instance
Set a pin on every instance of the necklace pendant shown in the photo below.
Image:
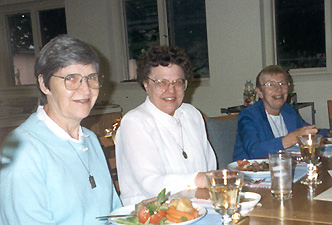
(92, 182)
(184, 154)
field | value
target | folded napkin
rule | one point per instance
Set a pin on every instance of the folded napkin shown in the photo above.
(299, 172)
(325, 196)
(330, 172)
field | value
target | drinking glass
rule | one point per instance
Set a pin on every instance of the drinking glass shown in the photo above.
(310, 154)
(224, 189)
(281, 175)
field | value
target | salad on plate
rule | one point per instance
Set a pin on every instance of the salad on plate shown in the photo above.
(159, 211)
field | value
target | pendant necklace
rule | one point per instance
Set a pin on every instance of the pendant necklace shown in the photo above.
(184, 154)
(91, 178)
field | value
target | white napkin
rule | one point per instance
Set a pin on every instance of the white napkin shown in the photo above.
(330, 172)
(325, 196)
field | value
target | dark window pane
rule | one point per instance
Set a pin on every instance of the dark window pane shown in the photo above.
(300, 30)
(187, 29)
(20, 32)
(22, 48)
(142, 29)
(52, 23)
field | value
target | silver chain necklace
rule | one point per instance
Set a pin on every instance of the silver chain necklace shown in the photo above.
(184, 154)
(91, 178)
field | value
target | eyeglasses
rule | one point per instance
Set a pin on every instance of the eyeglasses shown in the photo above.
(272, 85)
(162, 85)
(74, 81)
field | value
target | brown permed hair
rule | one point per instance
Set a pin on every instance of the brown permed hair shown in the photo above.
(162, 56)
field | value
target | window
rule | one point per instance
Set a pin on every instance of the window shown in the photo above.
(297, 35)
(300, 33)
(179, 23)
(28, 28)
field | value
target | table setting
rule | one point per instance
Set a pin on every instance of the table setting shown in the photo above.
(262, 179)
(267, 197)
(300, 203)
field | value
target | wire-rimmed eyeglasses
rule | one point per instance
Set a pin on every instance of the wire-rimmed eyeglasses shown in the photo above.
(74, 81)
(272, 85)
(178, 84)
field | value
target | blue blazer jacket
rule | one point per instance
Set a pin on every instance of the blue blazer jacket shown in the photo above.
(255, 139)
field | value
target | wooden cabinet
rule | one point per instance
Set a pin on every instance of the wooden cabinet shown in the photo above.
(98, 123)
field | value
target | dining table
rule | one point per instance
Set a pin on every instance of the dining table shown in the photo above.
(303, 208)
(308, 205)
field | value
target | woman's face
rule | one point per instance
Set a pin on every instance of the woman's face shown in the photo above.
(171, 98)
(65, 106)
(273, 98)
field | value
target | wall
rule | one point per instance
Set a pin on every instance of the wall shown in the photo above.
(233, 58)
(236, 53)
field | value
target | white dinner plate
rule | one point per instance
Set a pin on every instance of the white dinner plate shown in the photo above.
(128, 209)
(248, 200)
(258, 174)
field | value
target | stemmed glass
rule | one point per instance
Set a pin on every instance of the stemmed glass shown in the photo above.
(310, 154)
(224, 189)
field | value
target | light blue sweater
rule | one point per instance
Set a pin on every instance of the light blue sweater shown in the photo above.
(43, 181)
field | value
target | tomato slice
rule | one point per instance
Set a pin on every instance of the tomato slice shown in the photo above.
(155, 218)
(143, 215)
(242, 162)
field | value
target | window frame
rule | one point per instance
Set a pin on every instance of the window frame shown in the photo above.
(163, 37)
(269, 44)
(33, 8)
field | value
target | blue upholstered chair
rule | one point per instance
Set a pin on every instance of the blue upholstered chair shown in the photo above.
(221, 133)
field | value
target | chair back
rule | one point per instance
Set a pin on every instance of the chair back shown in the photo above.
(107, 143)
(329, 110)
(221, 132)
(108, 147)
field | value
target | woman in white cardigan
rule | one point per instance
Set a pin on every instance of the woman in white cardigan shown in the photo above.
(162, 143)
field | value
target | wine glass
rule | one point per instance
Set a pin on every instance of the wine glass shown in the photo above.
(310, 154)
(224, 189)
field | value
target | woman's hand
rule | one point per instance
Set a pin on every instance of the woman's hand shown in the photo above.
(200, 180)
(290, 139)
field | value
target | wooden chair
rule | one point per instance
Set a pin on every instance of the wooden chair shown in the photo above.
(221, 133)
(329, 110)
(108, 147)
(107, 143)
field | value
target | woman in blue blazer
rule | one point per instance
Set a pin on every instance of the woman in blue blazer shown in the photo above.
(270, 124)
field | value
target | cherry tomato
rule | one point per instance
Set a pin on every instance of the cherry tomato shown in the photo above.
(143, 215)
(242, 162)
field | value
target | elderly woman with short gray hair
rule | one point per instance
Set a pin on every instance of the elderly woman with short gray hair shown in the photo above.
(54, 171)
